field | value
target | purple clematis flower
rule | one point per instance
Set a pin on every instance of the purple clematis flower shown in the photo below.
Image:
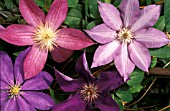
(88, 90)
(18, 94)
(44, 35)
(125, 36)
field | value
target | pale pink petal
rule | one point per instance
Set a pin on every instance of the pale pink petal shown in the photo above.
(110, 15)
(151, 38)
(60, 54)
(105, 53)
(20, 35)
(73, 39)
(149, 16)
(1, 28)
(140, 55)
(102, 34)
(31, 12)
(122, 62)
(129, 10)
(34, 61)
(18, 66)
(6, 69)
(57, 13)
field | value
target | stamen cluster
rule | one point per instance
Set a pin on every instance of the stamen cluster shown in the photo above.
(125, 35)
(14, 90)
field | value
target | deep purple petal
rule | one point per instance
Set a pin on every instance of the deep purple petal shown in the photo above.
(31, 12)
(60, 54)
(149, 16)
(20, 35)
(73, 39)
(4, 85)
(110, 15)
(38, 100)
(41, 81)
(105, 53)
(6, 68)
(34, 61)
(73, 103)
(122, 62)
(140, 55)
(10, 105)
(129, 10)
(66, 83)
(151, 38)
(24, 105)
(18, 66)
(57, 13)
(106, 104)
(101, 34)
(3, 97)
(83, 70)
(109, 80)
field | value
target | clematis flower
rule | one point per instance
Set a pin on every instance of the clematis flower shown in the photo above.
(18, 94)
(1, 28)
(88, 90)
(125, 36)
(43, 34)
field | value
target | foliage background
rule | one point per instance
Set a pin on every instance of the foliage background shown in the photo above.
(143, 92)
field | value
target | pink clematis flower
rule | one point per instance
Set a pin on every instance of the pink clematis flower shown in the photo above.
(125, 36)
(44, 35)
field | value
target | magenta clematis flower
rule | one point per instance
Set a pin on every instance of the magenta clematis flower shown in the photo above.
(44, 35)
(17, 94)
(1, 28)
(88, 90)
(125, 36)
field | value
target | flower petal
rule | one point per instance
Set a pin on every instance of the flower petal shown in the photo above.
(110, 15)
(149, 16)
(57, 13)
(31, 12)
(1, 28)
(83, 70)
(60, 54)
(73, 103)
(101, 34)
(109, 80)
(106, 104)
(24, 105)
(41, 81)
(34, 62)
(140, 55)
(151, 38)
(66, 83)
(18, 66)
(3, 97)
(4, 85)
(105, 53)
(73, 39)
(10, 105)
(6, 68)
(20, 35)
(122, 62)
(129, 11)
(38, 99)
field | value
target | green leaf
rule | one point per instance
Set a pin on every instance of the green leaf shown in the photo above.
(40, 2)
(136, 88)
(87, 2)
(93, 23)
(167, 14)
(160, 25)
(107, 1)
(118, 101)
(47, 5)
(148, 2)
(53, 95)
(93, 8)
(136, 77)
(124, 95)
(117, 3)
(9, 4)
(163, 52)
(153, 62)
(72, 3)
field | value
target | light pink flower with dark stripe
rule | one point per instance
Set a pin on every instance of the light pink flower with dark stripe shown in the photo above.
(43, 34)
(125, 36)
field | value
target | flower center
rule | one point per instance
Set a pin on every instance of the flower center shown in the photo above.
(125, 35)
(45, 37)
(14, 91)
(89, 92)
